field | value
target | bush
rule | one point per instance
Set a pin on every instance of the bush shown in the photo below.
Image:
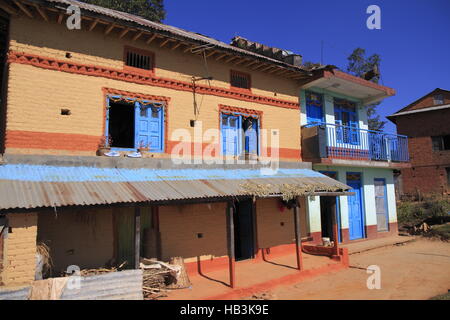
(413, 213)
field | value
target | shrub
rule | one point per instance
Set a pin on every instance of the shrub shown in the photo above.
(413, 213)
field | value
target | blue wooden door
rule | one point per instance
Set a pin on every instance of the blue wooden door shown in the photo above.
(355, 211)
(230, 130)
(150, 127)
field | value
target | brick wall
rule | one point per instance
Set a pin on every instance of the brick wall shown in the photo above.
(81, 237)
(20, 249)
(427, 173)
(179, 226)
(427, 101)
(37, 95)
(276, 227)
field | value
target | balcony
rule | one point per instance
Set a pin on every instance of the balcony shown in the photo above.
(331, 141)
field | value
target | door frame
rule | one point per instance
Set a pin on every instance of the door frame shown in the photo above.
(361, 205)
(338, 203)
(386, 207)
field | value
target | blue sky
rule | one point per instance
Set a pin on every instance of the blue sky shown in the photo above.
(414, 40)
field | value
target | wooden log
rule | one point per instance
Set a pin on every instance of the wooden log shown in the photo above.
(298, 236)
(334, 224)
(230, 241)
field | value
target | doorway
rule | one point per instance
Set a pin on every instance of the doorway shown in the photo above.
(326, 213)
(244, 230)
(355, 207)
(121, 124)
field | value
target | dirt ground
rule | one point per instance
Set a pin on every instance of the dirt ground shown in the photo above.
(415, 270)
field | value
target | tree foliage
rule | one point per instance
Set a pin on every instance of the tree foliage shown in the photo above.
(360, 65)
(149, 9)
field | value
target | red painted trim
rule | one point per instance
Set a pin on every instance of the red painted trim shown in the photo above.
(222, 263)
(50, 140)
(143, 52)
(137, 77)
(358, 80)
(371, 233)
(232, 266)
(271, 284)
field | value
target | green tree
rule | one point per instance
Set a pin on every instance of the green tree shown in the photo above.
(149, 9)
(368, 68)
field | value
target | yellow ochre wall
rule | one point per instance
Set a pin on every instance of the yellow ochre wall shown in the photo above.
(36, 95)
(20, 249)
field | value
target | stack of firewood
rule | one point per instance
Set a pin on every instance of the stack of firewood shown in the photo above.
(160, 276)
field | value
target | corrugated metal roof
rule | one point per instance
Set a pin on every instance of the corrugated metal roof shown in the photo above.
(34, 186)
(163, 28)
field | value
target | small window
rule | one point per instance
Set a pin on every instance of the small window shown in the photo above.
(441, 143)
(240, 80)
(438, 99)
(139, 59)
(314, 107)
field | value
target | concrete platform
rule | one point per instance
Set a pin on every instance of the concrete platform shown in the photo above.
(366, 245)
(254, 277)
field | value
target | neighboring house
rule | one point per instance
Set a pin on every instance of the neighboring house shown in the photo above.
(426, 122)
(336, 139)
(123, 84)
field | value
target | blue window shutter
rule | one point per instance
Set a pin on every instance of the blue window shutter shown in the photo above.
(149, 127)
(354, 125)
(314, 113)
(230, 129)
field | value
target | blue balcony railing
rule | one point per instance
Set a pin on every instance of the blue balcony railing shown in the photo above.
(344, 142)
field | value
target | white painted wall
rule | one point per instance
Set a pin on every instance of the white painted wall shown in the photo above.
(368, 176)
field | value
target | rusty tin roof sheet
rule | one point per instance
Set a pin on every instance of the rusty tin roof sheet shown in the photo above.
(37, 186)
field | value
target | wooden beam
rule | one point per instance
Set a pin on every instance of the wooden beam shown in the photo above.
(230, 242)
(93, 24)
(188, 48)
(259, 66)
(251, 63)
(41, 12)
(240, 62)
(211, 53)
(124, 32)
(231, 59)
(109, 29)
(60, 18)
(164, 43)
(283, 71)
(9, 9)
(23, 8)
(138, 35)
(267, 68)
(221, 56)
(298, 236)
(276, 69)
(137, 237)
(153, 37)
(176, 46)
(333, 212)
